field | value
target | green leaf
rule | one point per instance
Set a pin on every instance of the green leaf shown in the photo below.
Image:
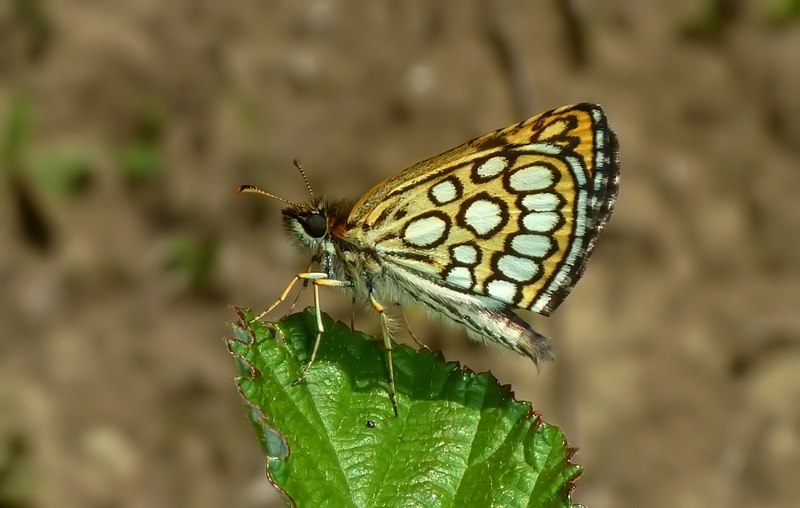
(333, 440)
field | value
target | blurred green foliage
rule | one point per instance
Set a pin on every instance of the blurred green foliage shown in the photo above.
(17, 478)
(142, 158)
(32, 15)
(16, 132)
(784, 11)
(65, 172)
(31, 221)
(141, 161)
(710, 19)
(194, 258)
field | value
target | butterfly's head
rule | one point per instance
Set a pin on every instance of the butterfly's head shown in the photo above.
(312, 224)
(317, 225)
(307, 223)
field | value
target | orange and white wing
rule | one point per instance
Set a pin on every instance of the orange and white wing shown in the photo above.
(512, 215)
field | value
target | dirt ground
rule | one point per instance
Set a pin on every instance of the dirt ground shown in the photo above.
(122, 244)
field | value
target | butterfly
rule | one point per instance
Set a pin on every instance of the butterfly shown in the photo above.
(505, 221)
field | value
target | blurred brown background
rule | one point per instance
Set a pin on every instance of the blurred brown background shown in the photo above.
(125, 127)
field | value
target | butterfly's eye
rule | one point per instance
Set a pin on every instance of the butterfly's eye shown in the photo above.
(315, 225)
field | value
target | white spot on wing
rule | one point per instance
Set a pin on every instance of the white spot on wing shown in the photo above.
(425, 231)
(517, 268)
(540, 221)
(444, 192)
(547, 148)
(531, 178)
(466, 254)
(502, 290)
(531, 245)
(578, 171)
(460, 276)
(492, 167)
(597, 114)
(541, 201)
(483, 216)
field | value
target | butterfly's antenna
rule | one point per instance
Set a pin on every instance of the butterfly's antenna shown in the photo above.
(255, 190)
(299, 167)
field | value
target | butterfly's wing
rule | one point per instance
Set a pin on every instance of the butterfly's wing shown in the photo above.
(512, 215)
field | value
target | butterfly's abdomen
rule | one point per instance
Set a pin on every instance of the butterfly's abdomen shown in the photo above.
(486, 320)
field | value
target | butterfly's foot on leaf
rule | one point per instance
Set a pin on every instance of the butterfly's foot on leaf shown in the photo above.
(279, 337)
(261, 316)
(302, 374)
(411, 332)
(393, 399)
(313, 351)
(418, 342)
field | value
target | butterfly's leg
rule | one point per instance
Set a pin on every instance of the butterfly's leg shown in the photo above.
(314, 259)
(353, 313)
(353, 301)
(296, 298)
(410, 331)
(282, 298)
(387, 342)
(319, 279)
(279, 300)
